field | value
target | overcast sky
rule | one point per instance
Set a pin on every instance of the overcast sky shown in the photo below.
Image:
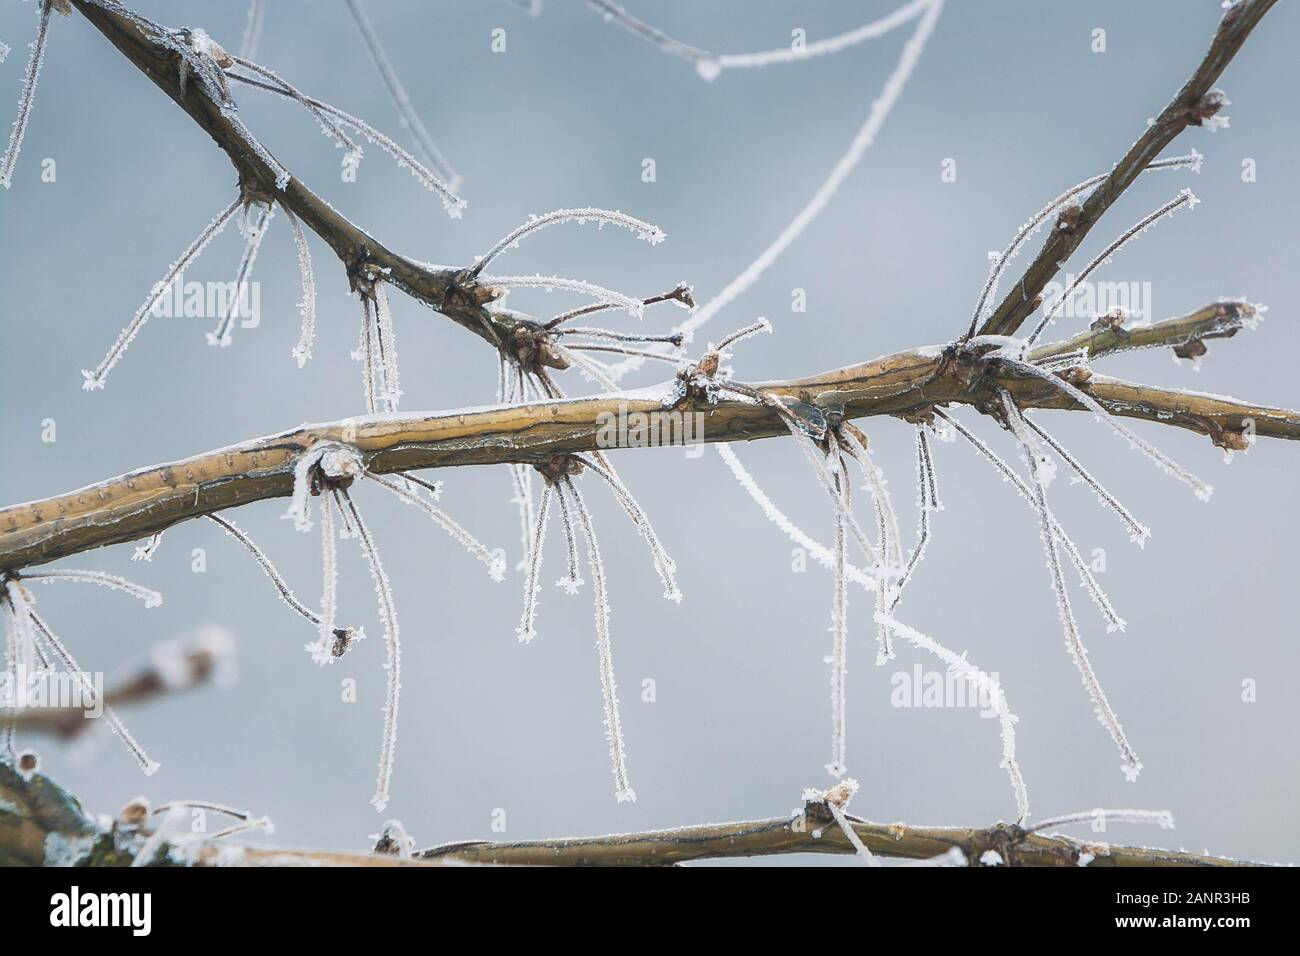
(1009, 94)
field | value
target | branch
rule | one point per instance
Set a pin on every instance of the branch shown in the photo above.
(1191, 106)
(169, 670)
(906, 384)
(446, 291)
(34, 809)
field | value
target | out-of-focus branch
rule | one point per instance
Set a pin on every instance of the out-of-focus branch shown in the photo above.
(1192, 105)
(906, 384)
(170, 669)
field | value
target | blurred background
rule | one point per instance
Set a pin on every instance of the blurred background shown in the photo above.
(1009, 94)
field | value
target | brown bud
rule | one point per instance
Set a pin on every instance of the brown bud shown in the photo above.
(1191, 349)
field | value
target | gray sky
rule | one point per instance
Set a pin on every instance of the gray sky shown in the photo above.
(1010, 91)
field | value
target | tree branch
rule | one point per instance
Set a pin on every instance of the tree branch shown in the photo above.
(447, 291)
(37, 815)
(1189, 107)
(906, 384)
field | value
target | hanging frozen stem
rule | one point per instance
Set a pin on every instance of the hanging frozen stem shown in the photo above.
(823, 555)
(1113, 621)
(999, 261)
(1131, 764)
(623, 791)
(1061, 382)
(397, 93)
(709, 65)
(302, 351)
(927, 502)
(494, 562)
(991, 694)
(334, 641)
(572, 579)
(95, 379)
(643, 230)
(392, 643)
(665, 567)
(838, 659)
(1185, 198)
(28, 96)
(223, 334)
(527, 629)
(1138, 532)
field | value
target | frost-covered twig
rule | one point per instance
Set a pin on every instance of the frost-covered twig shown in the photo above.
(633, 306)
(302, 351)
(643, 230)
(880, 109)
(1193, 104)
(1154, 454)
(1103, 818)
(222, 335)
(992, 693)
(609, 690)
(1113, 621)
(1185, 198)
(392, 644)
(495, 564)
(1138, 532)
(709, 65)
(95, 379)
(410, 119)
(1000, 261)
(28, 96)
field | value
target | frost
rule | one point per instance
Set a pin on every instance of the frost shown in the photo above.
(572, 579)
(839, 656)
(95, 379)
(643, 230)
(1100, 819)
(328, 123)
(28, 95)
(991, 858)
(386, 345)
